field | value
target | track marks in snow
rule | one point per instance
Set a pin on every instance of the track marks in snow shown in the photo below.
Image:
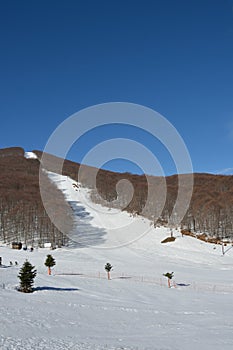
(59, 344)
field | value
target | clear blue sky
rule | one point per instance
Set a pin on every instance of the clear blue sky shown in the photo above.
(175, 56)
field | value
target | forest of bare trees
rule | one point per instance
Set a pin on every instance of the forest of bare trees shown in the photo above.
(22, 214)
(23, 217)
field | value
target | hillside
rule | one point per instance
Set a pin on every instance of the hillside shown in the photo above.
(78, 308)
(210, 210)
(23, 216)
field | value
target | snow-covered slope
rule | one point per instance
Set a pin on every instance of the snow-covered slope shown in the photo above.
(97, 225)
(78, 308)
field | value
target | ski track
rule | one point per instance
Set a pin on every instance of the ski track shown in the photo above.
(55, 344)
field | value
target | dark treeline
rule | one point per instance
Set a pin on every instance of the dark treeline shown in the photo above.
(211, 209)
(22, 214)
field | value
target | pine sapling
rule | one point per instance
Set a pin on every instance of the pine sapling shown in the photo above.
(50, 262)
(169, 276)
(108, 267)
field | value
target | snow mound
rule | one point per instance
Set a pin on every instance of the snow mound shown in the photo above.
(30, 155)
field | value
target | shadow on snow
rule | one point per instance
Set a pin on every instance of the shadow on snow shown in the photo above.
(37, 289)
(84, 234)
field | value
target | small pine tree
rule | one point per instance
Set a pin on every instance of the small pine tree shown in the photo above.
(26, 276)
(50, 262)
(169, 276)
(108, 267)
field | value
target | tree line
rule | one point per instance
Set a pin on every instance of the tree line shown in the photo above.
(22, 214)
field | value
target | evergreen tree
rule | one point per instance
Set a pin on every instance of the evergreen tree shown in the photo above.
(50, 262)
(108, 267)
(169, 276)
(26, 275)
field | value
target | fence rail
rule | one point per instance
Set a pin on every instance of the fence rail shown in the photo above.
(162, 282)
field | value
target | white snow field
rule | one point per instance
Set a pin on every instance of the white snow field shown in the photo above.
(78, 308)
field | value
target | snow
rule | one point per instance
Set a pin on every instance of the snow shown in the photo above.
(78, 308)
(116, 228)
(30, 155)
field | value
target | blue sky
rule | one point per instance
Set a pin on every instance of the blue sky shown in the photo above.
(176, 57)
